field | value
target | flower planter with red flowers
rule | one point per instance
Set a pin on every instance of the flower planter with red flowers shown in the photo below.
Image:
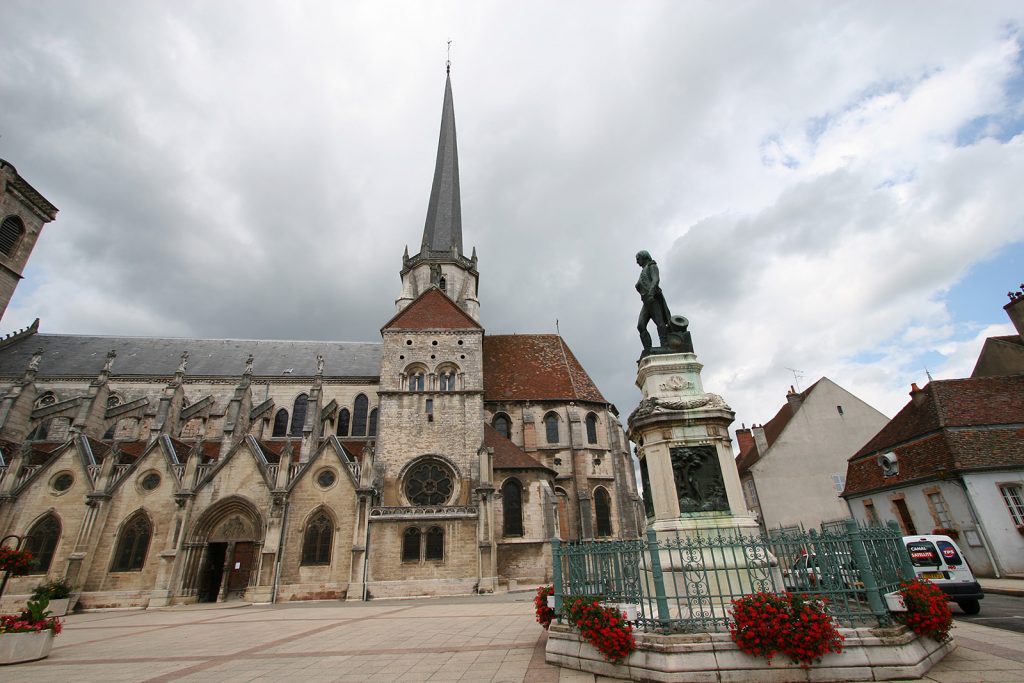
(928, 612)
(606, 628)
(28, 636)
(764, 624)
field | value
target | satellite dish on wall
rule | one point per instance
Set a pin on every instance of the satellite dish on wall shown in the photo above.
(890, 466)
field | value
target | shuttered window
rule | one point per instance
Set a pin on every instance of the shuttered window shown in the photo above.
(11, 231)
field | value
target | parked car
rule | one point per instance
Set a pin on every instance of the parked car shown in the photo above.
(806, 573)
(940, 560)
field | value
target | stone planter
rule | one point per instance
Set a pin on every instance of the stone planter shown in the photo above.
(58, 607)
(25, 647)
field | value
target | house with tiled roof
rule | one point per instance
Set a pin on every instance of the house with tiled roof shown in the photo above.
(792, 468)
(952, 461)
(440, 460)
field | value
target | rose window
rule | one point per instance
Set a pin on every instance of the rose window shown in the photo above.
(429, 483)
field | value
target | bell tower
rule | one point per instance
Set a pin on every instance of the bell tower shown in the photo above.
(23, 213)
(441, 262)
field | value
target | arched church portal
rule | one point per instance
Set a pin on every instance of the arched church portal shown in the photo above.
(224, 551)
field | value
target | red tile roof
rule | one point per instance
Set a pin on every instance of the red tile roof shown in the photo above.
(432, 310)
(130, 450)
(99, 448)
(534, 367)
(210, 451)
(507, 455)
(952, 426)
(181, 449)
(273, 449)
(355, 447)
(974, 401)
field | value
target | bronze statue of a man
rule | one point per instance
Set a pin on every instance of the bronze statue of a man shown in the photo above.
(655, 308)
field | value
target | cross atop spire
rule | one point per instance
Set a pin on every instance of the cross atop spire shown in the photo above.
(442, 231)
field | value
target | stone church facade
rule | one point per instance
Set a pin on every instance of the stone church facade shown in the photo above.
(441, 460)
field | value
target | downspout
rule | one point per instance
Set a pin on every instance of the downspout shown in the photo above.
(366, 553)
(959, 481)
(280, 552)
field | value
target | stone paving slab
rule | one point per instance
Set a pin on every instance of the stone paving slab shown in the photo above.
(480, 638)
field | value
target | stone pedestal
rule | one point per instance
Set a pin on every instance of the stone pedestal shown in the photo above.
(682, 440)
(691, 485)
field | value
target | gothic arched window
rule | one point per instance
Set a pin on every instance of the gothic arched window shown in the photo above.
(133, 545)
(299, 414)
(11, 231)
(373, 423)
(280, 423)
(42, 541)
(591, 428)
(551, 427)
(343, 419)
(512, 507)
(603, 512)
(411, 545)
(435, 543)
(359, 416)
(502, 425)
(316, 542)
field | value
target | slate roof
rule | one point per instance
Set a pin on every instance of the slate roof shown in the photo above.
(534, 367)
(507, 455)
(80, 355)
(949, 426)
(432, 310)
(442, 229)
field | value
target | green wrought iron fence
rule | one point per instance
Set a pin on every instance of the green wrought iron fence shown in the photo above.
(687, 583)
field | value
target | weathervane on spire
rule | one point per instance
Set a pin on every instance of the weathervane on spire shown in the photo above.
(448, 64)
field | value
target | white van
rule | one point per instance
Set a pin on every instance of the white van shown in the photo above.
(939, 559)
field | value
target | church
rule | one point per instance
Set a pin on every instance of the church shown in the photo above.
(440, 460)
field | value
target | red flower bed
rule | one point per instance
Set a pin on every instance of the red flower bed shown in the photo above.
(928, 613)
(540, 603)
(764, 624)
(32, 619)
(603, 627)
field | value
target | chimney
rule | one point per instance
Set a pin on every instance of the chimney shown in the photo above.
(916, 394)
(760, 439)
(1015, 309)
(795, 399)
(744, 439)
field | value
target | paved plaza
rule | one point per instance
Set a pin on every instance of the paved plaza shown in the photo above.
(478, 638)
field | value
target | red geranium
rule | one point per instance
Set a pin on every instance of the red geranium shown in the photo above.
(928, 613)
(34, 618)
(540, 602)
(15, 562)
(606, 628)
(764, 624)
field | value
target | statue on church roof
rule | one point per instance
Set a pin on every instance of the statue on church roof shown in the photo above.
(673, 336)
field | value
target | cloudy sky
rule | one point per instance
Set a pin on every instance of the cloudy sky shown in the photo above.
(829, 188)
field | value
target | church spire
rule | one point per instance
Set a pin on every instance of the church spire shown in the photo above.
(442, 231)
